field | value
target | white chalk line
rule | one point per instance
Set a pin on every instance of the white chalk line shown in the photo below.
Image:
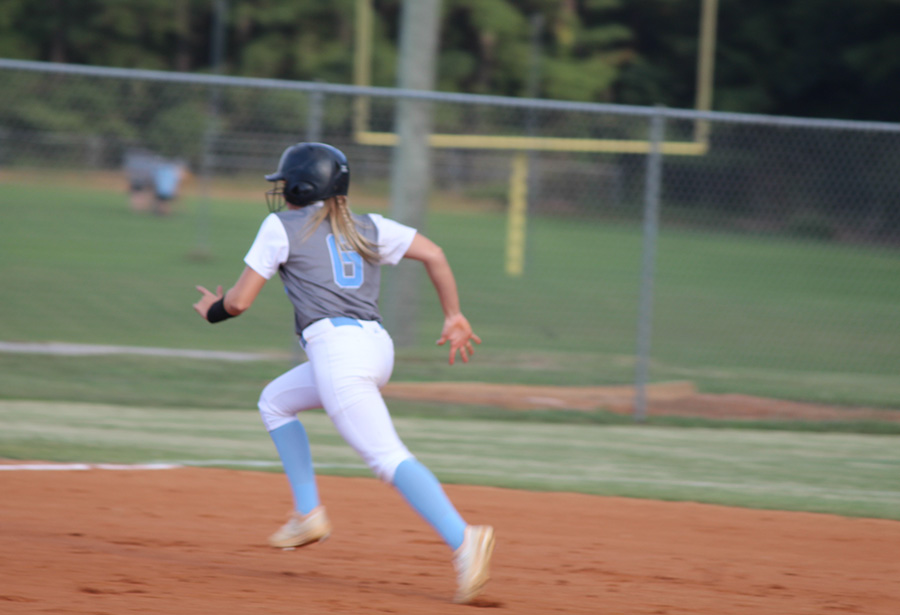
(81, 467)
(80, 350)
(76, 467)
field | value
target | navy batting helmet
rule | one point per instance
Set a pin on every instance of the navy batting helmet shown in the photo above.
(311, 172)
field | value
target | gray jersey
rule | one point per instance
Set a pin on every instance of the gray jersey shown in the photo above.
(323, 279)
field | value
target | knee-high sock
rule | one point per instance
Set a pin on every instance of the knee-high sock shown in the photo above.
(293, 447)
(424, 493)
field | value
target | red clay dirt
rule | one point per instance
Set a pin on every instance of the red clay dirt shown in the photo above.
(190, 540)
(679, 398)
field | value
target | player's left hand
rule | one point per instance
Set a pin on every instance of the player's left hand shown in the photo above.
(458, 332)
(206, 300)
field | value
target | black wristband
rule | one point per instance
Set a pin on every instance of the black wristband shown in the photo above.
(217, 312)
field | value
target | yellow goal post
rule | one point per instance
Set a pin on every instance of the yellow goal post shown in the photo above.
(518, 197)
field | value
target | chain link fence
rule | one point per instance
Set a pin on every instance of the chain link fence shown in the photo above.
(748, 254)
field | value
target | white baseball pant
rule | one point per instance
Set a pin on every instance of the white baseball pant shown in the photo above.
(349, 361)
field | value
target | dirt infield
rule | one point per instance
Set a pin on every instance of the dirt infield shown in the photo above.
(189, 541)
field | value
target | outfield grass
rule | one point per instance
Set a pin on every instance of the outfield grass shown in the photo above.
(846, 474)
(763, 316)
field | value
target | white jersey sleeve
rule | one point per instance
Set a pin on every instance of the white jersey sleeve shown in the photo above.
(394, 239)
(270, 248)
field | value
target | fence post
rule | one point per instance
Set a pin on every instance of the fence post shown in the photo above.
(652, 186)
(411, 163)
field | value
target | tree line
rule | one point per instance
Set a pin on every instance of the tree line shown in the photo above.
(808, 58)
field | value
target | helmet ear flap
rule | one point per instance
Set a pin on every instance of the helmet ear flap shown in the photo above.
(298, 192)
(340, 178)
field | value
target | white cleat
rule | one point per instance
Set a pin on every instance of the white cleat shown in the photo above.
(472, 562)
(301, 530)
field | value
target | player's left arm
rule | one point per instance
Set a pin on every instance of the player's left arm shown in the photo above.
(236, 301)
(457, 329)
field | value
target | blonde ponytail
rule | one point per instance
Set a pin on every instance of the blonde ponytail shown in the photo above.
(346, 234)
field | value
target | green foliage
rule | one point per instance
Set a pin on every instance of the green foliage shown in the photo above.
(178, 130)
(298, 40)
(820, 58)
(141, 33)
(580, 80)
(494, 18)
(567, 52)
(17, 40)
(486, 44)
(63, 105)
(662, 65)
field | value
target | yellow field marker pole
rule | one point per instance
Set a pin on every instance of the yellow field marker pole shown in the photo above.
(706, 61)
(517, 217)
(362, 65)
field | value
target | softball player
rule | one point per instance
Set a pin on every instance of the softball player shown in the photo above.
(329, 260)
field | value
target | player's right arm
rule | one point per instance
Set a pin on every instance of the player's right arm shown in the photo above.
(269, 250)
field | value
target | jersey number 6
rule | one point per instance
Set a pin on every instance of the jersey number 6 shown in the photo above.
(346, 265)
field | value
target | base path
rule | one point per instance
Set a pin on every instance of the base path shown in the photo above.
(192, 541)
(663, 399)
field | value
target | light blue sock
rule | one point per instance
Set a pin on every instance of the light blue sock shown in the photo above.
(293, 448)
(424, 493)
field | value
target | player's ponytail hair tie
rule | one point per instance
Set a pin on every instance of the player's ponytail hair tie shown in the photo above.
(337, 210)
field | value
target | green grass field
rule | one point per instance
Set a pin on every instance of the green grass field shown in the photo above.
(761, 316)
